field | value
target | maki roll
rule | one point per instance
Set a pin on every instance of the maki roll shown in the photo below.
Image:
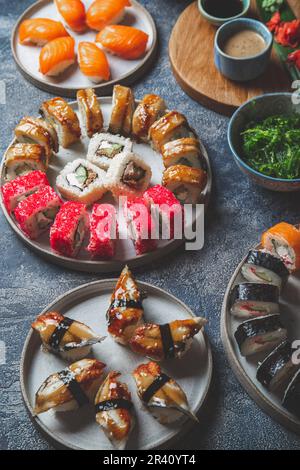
(70, 339)
(277, 368)
(261, 266)
(291, 399)
(15, 191)
(71, 388)
(168, 341)
(81, 181)
(62, 117)
(160, 394)
(128, 175)
(37, 212)
(125, 312)
(37, 131)
(103, 231)
(90, 111)
(260, 334)
(151, 108)
(167, 209)
(249, 300)
(122, 111)
(185, 182)
(21, 159)
(69, 228)
(141, 226)
(185, 151)
(283, 240)
(171, 126)
(114, 410)
(103, 148)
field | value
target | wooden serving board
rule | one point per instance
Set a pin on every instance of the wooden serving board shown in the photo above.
(191, 51)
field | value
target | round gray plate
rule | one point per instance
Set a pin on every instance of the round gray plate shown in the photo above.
(245, 369)
(67, 84)
(125, 250)
(78, 429)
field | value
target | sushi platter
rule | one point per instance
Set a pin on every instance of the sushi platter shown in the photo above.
(259, 324)
(78, 429)
(60, 169)
(68, 82)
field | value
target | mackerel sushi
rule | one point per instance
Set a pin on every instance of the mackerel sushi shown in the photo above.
(15, 191)
(21, 159)
(81, 181)
(260, 334)
(103, 231)
(37, 212)
(160, 394)
(68, 338)
(167, 209)
(261, 266)
(291, 399)
(128, 175)
(103, 148)
(70, 388)
(69, 228)
(141, 226)
(278, 367)
(251, 299)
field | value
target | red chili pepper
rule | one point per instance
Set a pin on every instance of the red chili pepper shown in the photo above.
(274, 22)
(294, 58)
(288, 34)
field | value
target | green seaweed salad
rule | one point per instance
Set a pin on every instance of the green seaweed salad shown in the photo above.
(272, 146)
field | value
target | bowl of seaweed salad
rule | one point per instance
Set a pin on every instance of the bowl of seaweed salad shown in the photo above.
(264, 137)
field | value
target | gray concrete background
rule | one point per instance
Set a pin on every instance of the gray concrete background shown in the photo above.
(238, 213)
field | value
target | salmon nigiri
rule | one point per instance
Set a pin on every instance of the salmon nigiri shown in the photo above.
(104, 12)
(39, 31)
(123, 41)
(57, 55)
(283, 240)
(93, 62)
(73, 13)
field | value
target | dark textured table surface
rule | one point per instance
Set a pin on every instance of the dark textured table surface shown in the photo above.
(238, 213)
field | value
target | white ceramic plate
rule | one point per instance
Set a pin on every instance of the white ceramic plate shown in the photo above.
(245, 369)
(67, 84)
(125, 252)
(88, 303)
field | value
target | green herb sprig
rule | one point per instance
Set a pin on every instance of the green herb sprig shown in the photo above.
(272, 146)
(272, 5)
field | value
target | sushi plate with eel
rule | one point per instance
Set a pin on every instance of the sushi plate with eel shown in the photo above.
(72, 79)
(125, 251)
(259, 344)
(80, 426)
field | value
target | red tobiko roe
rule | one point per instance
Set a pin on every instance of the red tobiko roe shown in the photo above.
(294, 58)
(287, 33)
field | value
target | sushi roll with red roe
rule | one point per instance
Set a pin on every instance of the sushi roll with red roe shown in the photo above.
(36, 213)
(69, 228)
(14, 191)
(141, 226)
(103, 230)
(167, 209)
